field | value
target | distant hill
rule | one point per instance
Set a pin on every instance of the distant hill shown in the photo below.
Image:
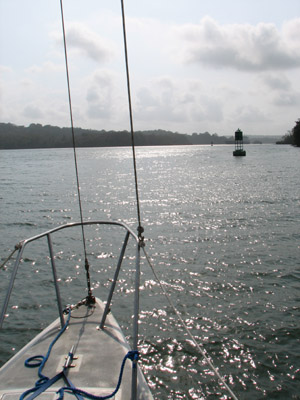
(38, 136)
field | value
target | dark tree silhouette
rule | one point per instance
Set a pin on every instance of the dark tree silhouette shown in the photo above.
(296, 133)
(287, 138)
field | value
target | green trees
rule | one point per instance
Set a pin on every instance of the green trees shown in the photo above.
(38, 136)
(286, 139)
(296, 133)
(292, 137)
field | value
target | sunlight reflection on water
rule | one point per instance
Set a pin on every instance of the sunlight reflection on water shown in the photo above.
(223, 236)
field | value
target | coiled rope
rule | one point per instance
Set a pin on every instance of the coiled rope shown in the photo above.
(199, 347)
(40, 361)
(44, 382)
(132, 355)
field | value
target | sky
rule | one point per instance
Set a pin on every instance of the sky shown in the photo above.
(195, 65)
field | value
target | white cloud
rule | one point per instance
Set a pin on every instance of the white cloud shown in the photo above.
(101, 95)
(290, 32)
(185, 77)
(249, 114)
(281, 90)
(276, 81)
(207, 108)
(33, 112)
(287, 99)
(86, 42)
(162, 100)
(242, 47)
(46, 67)
(4, 69)
(176, 102)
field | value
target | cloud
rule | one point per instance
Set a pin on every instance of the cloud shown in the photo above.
(242, 47)
(4, 69)
(160, 100)
(291, 31)
(249, 114)
(100, 95)
(281, 89)
(287, 99)
(168, 101)
(207, 108)
(276, 81)
(87, 43)
(46, 67)
(32, 112)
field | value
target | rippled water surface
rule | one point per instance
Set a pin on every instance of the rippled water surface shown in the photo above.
(222, 233)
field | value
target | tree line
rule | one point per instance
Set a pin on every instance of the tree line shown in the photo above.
(38, 136)
(293, 136)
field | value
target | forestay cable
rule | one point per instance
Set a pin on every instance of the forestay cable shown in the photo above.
(199, 347)
(90, 297)
(140, 228)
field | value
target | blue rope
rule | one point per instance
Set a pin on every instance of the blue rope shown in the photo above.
(40, 361)
(44, 381)
(133, 355)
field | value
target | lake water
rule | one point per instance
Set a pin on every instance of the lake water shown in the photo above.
(223, 235)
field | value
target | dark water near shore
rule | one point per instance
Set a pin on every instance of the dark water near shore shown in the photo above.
(223, 234)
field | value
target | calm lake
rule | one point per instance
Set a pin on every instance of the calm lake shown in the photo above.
(223, 236)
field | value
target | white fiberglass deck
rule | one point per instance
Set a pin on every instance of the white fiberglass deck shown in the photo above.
(96, 370)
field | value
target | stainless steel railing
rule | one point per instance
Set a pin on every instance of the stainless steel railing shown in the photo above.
(21, 246)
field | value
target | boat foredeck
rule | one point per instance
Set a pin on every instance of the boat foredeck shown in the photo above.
(95, 369)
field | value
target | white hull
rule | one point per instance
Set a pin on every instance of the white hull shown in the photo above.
(96, 370)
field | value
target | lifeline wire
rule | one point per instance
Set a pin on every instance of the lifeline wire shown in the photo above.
(199, 347)
(17, 247)
(74, 151)
(8, 258)
(140, 229)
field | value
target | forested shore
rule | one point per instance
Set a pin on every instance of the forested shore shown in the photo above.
(293, 136)
(47, 136)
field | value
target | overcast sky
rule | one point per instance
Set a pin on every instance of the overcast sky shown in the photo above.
(195, 65)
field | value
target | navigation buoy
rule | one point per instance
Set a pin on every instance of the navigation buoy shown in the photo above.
(239, 151)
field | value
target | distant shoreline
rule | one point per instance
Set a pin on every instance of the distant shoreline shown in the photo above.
(37, 136)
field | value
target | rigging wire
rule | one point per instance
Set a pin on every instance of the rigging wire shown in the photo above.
(90, 297)
(140, 228)
(199, 347)
(10, 256)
